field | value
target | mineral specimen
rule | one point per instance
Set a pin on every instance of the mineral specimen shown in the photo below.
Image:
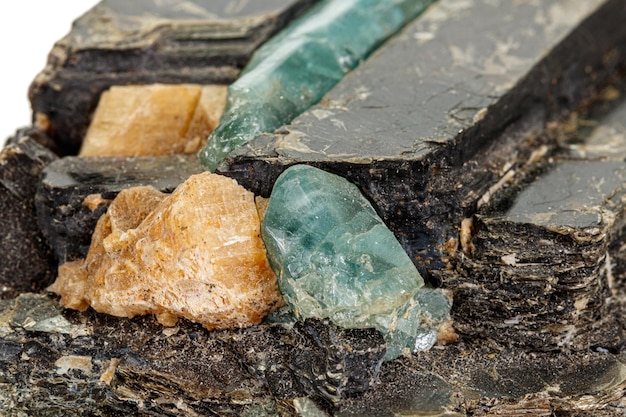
(335, 259)
(74, 192)
(326, 43)
(527, 61)
(439, 114)
(150, 41)
(188, 255)
(154, 119)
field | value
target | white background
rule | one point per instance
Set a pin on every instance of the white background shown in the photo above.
(28, 29)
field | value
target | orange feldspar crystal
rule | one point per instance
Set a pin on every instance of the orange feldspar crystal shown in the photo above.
(155, 119)
(196, 253)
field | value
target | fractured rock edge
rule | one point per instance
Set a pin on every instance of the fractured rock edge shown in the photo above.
(26, 263)
(108, 47)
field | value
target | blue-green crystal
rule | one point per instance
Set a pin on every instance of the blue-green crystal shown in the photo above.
(335, 258)
(295, 68)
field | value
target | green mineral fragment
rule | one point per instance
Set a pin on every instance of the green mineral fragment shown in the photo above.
(335, 258)
(294, 69)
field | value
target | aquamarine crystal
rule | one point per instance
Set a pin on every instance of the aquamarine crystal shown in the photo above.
(335, 258)
(295, 68)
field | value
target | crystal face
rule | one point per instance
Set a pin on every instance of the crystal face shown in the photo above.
(295, 68)
(335, 258)
(155, 119)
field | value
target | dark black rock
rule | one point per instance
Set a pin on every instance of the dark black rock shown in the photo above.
(74, 192)
(337, 363)
(102, 365)
(549, 269)
(136, 364)
(26, 263)
(539, 275)
(149, 41)
(460, 117)
(35, 134)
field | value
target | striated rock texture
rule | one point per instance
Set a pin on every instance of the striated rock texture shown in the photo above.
(62, 362)
(26, 262)
(196, 254)
(496, 70)
(156, 119)
(548, 268)
(329, 41)
(542, 273)
(145, 42)
(336, 259)
(74, 192)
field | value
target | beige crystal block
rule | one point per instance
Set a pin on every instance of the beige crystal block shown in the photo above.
(155, 119)
(196, 253)
(206, 117)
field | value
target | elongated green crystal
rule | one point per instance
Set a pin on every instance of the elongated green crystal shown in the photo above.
(335, 258)
(295, 68)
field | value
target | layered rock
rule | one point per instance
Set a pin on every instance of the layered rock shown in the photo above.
(498, 71)
(156, 119)
(189, 254)
(121, 43)
(111, 366)
(27, 263)
(541, 274)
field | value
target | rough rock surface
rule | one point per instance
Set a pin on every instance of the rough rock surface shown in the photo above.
(26, 261)
(74, 192)
(196, 253)
(144, 42)
(542, 272)
(107, 366)
(155, 119)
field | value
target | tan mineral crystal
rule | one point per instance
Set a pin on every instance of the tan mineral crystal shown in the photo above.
(196, 253)
(155, 119)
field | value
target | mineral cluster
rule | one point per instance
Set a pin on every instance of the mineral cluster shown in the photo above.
(336, 259)
(329, 40)
(184, 255)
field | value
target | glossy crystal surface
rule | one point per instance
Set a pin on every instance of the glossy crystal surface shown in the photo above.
(335, 258)
(295, 68)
